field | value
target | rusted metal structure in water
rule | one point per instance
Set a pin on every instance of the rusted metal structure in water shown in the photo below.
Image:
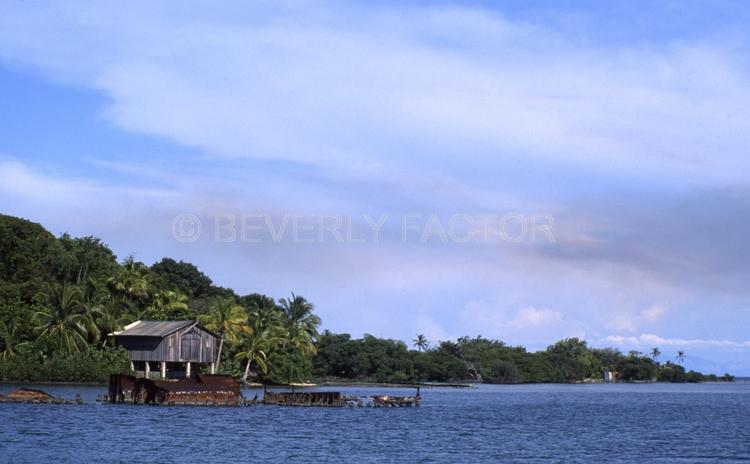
(206, 390)
(330, 399)
(337, 399)
(210, 390)
(29, 395)
(221, 390)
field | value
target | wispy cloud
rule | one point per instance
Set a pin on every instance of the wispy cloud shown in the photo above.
(397, 85)
(655, 340)
(636, 147)
(655, 312)
(494, 319)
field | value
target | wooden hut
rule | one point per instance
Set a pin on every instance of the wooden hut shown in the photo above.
(172, 345)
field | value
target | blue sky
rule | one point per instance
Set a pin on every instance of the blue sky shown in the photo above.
(625, 122)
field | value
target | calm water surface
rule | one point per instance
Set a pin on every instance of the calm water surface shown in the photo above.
(530, 423)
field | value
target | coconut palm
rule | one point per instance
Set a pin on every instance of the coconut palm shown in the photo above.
(421, 342)
(108, 318)
(254, 349)
(655, 353)
(300, 323)
(103, 310)
(265, 315)
(132, 283)
(266, 331)
(170, 301)
(9, 335)
(132, 289)
(169, 305)
(64, 321)
(227, 319)
(680, 357)
(90, 309)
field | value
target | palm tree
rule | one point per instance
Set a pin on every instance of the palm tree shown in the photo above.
(680, 357)
(9, 333)
(105, 312)
(300, 323)
(254, 349)
(655, 353)
(266, 315)
(90, 309)
(227, 319)
(169, 305)
(170, 301)
(421, 342)
(88, 249)
(265, 332)
(108, 318)
(132, 285)
(65, 321)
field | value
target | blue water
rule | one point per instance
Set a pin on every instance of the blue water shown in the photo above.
(656, 423)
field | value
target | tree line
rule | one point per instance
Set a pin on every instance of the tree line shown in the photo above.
(482, 360)
(60, 297)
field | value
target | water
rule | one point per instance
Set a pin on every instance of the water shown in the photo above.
(698, 423)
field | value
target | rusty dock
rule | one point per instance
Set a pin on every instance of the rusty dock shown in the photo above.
(221, 390)
(337, 399)
(206, 390)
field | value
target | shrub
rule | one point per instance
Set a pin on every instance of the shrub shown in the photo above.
(93, 365)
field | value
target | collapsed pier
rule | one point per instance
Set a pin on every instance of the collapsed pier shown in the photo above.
(206, 390)
(221, 390)
(336, 399)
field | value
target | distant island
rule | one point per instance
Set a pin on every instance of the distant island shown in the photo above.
(61, 297)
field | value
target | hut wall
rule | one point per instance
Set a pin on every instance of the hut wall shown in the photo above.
(193, 345)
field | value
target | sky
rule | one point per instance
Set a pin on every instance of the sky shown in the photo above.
(523, 170)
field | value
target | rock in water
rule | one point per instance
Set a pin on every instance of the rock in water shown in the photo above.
(29, 394)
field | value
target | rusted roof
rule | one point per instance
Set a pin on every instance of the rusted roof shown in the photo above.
(152, 328)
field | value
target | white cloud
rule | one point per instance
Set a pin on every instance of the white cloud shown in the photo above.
(371, 95)
(531, 316)
(493, 319)
(393, 84)
(624, 320)
(427, 325)
(622, 323)
(654, 312)
(655, 340)
(18, 180)
(26, 183)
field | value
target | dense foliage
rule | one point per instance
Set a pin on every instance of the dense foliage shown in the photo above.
(61, 297)
(30, 365)
(482, 360)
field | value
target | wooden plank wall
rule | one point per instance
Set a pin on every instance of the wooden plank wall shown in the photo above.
(194, 345)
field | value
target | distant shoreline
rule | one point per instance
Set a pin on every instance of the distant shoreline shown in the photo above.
(364, 384)
(52, 382)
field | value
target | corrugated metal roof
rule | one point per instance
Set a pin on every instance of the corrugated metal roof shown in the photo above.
(153, 328)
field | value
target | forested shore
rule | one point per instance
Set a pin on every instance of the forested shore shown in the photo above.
(60, 297)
